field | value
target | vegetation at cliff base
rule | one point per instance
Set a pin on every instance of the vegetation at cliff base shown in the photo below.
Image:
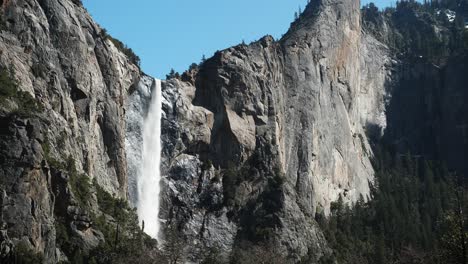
(124, 240)
(416, 214)
(25, 255)
(111, 218)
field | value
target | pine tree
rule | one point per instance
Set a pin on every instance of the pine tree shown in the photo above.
(171, 75)
(380, 255)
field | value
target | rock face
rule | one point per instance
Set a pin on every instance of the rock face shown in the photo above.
(264, 137)
(257, 142)
(81, 81)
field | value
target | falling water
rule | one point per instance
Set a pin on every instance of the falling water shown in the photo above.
(150, 175)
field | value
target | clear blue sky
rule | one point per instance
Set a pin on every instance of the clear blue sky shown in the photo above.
(174, 33)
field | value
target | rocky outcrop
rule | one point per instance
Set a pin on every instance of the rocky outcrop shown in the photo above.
(80, 80)
(27, 201)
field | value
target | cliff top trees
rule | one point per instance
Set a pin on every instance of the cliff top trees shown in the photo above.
(172, 75)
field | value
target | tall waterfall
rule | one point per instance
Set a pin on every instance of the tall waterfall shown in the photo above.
(150, 175)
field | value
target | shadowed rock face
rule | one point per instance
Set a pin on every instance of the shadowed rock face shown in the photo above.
(427, 115)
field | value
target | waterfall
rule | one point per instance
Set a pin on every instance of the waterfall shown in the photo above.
(149, 179)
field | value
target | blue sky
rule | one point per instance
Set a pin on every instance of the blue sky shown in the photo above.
(174, 33)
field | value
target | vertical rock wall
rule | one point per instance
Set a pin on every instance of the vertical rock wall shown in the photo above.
(64, 60)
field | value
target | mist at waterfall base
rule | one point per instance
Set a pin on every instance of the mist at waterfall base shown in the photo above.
(150, 175)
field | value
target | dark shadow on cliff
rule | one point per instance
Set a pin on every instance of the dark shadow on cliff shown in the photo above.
(427, 112)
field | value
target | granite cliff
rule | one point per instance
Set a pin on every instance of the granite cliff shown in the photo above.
(265, 136)
(258, 141)
(78, 78)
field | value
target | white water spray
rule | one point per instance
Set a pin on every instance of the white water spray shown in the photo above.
(150, 174)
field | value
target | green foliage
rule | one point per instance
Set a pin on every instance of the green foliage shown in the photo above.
(8, 85)
(230, 181)
(173, 246)
(106, 201)
(193, 67)
(449, 4)
(213, 256)
(79, 183)
(207, 165)
(25, 255)
(415, 24)
(370, 13)
(135, 59)
(418, 31)
(27, 105)
(403, 222)
(262, 220)
(124, 239)
(62, 139)
(272, 196)
(47, 148)
(453, 239)
(81, 187)
(61, 232)
(172, 75)
(3, 25)
(39, 70)
(249, 253)
(232, 177)
(373, 21)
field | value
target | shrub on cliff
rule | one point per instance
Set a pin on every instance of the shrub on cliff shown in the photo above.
(25, 255)
(135, 59)
(8, 85)
(79, 183)
(9, 93)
